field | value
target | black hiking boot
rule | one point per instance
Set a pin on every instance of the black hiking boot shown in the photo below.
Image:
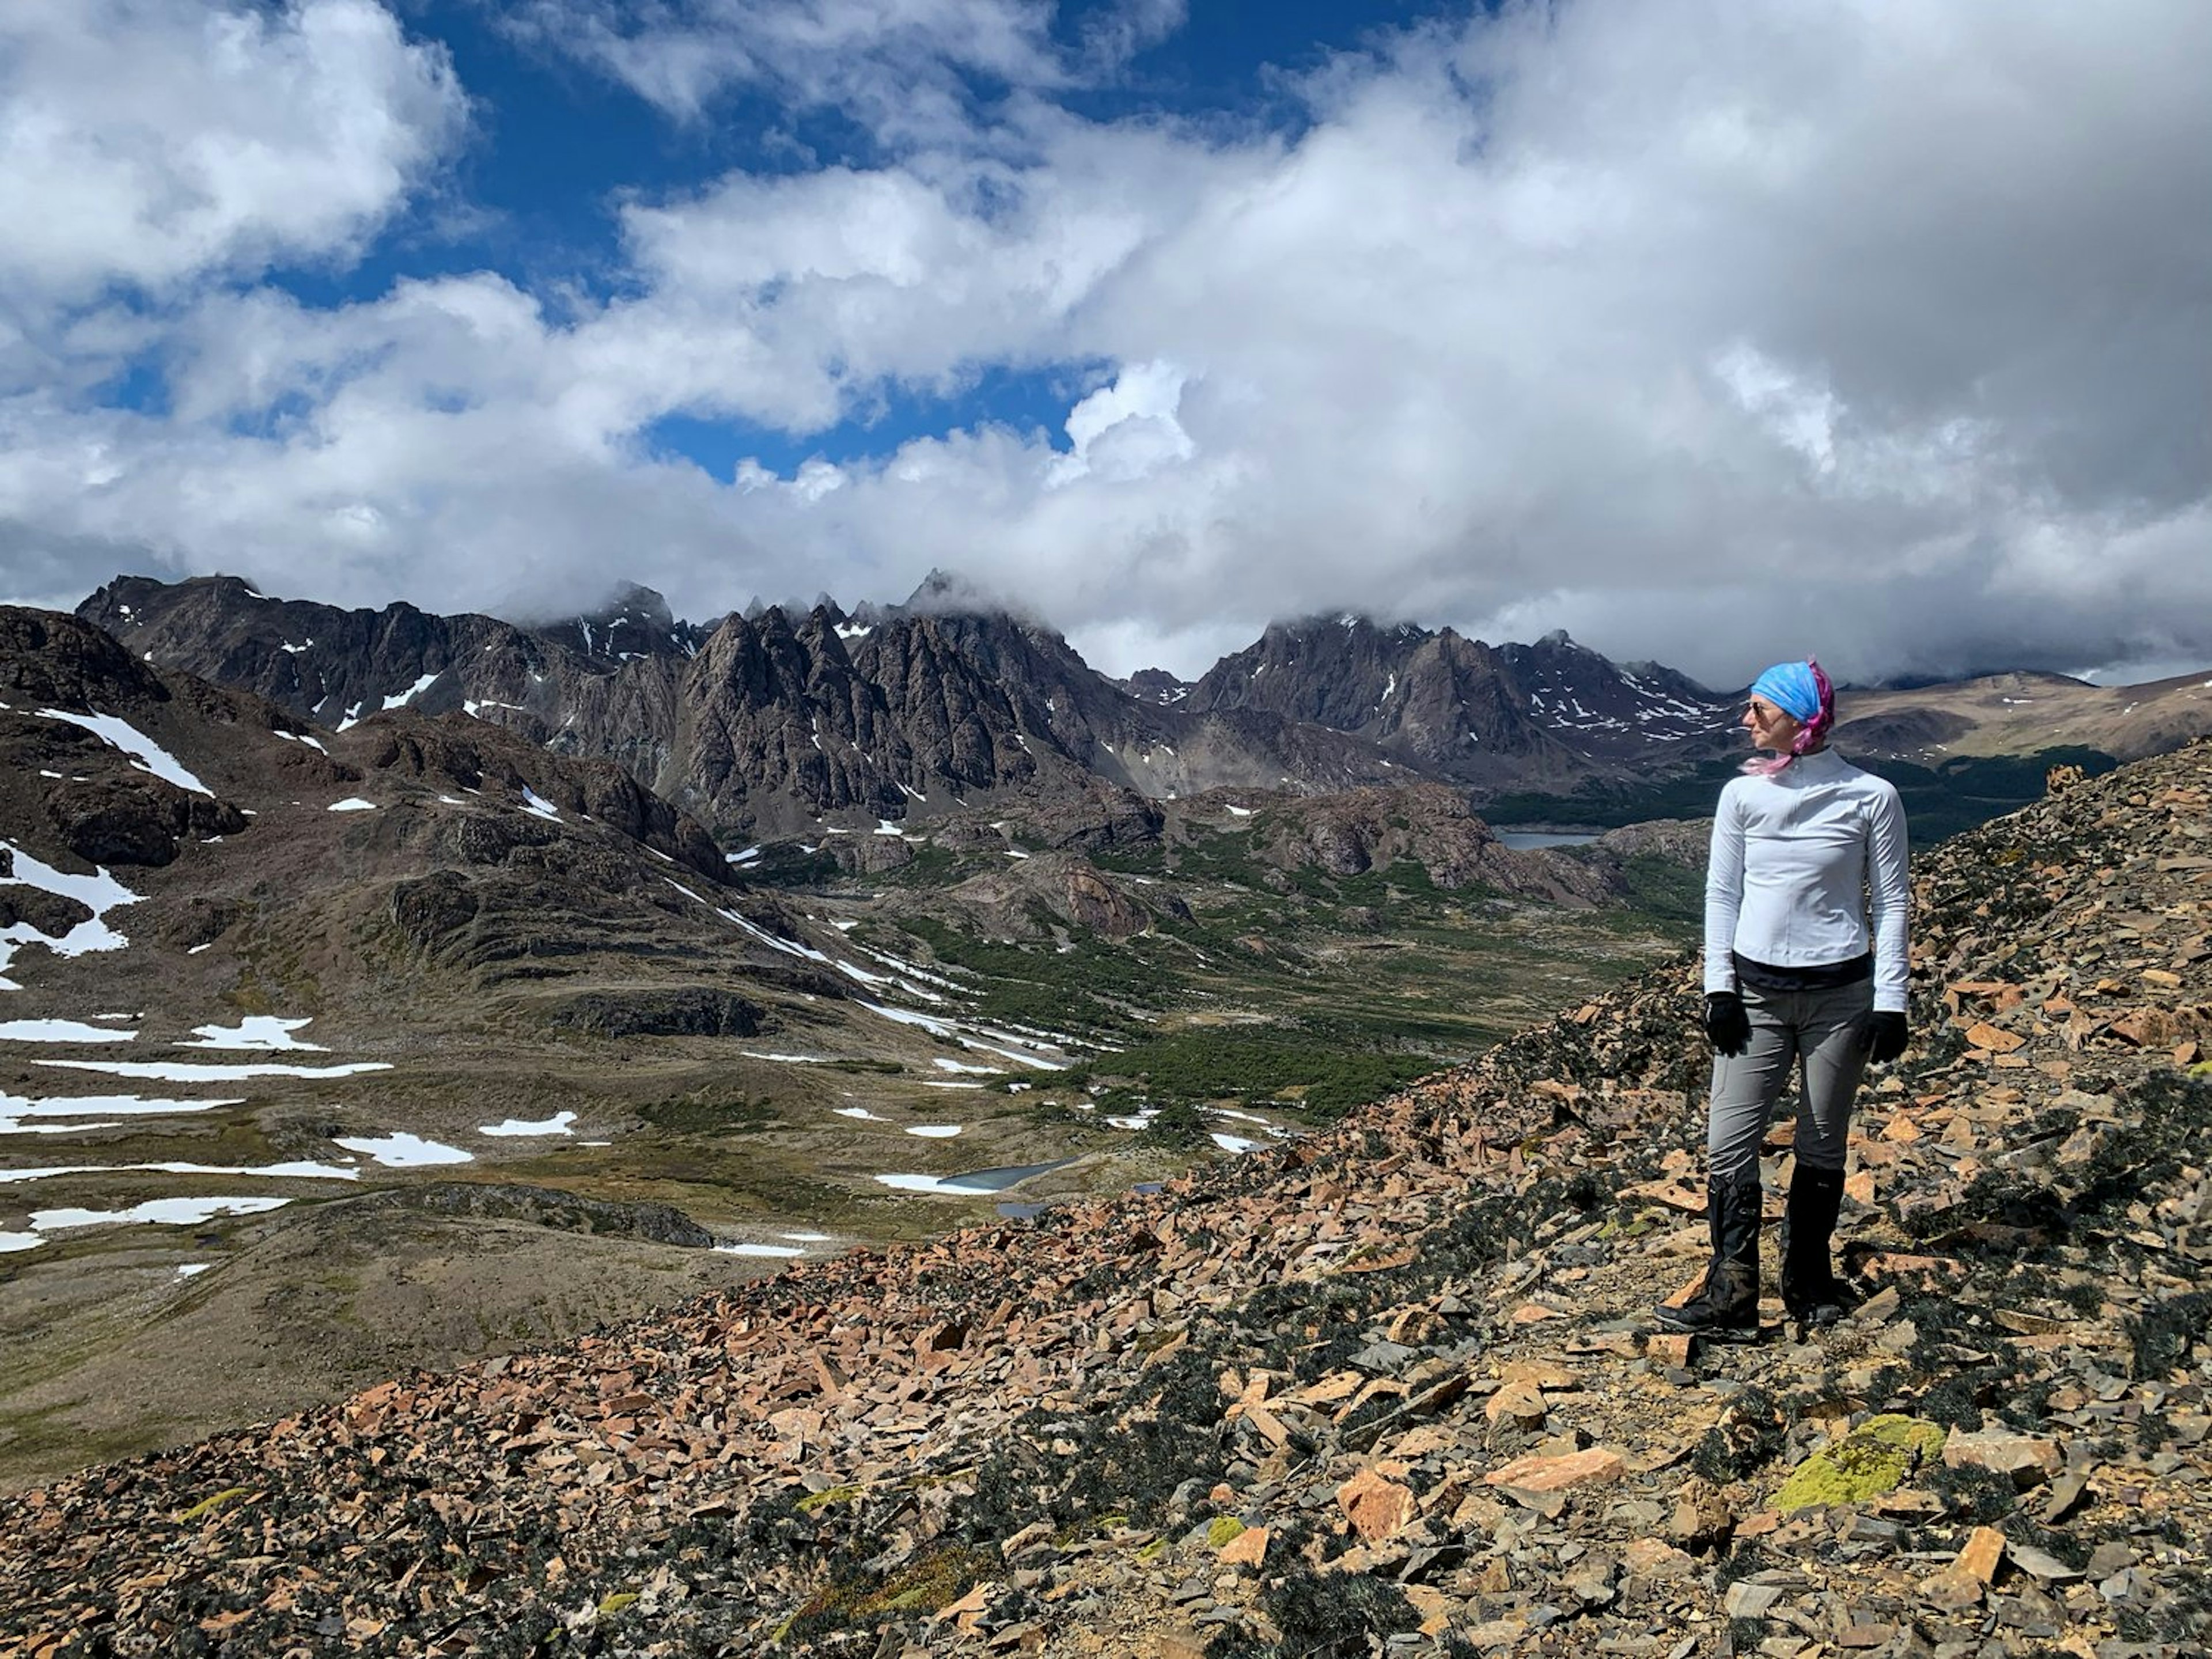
(1727, 1309)
(1810, 1290)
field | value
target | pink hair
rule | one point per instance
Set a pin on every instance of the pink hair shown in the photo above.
(1811, 735)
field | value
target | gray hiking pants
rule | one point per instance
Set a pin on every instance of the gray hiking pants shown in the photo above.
(1822, 1034)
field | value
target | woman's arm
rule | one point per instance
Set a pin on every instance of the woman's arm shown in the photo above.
(1724, 890)
(1891, 887)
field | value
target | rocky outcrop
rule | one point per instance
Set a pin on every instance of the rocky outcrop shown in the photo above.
(1155, 685)
(538, 1207)
(1678, 841)
(659, 1010)
(67, 692)
(454, 753)
(1363, 829)
(1100, 817)
(1092, 902)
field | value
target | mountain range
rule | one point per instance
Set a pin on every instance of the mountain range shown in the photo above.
(774, 721)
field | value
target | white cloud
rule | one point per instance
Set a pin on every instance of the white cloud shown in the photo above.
(1127, 429)
(146, 142)
(1711, 332)
(909, 70)
(904, 67)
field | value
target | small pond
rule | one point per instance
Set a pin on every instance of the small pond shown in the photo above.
(1527, 841)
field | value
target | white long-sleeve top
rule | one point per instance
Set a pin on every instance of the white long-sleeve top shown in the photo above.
(1795, 859)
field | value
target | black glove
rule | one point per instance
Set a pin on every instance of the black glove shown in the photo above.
(1885, 1037)
(1726, 1023)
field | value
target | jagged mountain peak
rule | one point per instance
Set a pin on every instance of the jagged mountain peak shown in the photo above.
(634, 621)
(1328, 624)
(943, 590)
(1155, 685)
(633, 599)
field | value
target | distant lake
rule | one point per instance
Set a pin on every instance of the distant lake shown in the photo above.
(1523, 841)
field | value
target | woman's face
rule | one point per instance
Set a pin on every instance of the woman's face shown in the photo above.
(1769, 726)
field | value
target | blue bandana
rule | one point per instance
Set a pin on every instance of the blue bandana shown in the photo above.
(1789, 686)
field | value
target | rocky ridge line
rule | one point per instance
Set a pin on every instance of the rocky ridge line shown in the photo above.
(1388, 1387)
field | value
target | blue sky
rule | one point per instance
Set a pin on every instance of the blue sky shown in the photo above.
(554, 147)
(1713, 331)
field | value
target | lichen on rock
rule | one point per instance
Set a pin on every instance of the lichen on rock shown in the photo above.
(1872, 1458)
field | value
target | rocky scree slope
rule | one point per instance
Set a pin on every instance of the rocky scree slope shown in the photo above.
(1391, 1388)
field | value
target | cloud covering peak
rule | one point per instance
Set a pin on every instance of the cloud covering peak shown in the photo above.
(1714, 333)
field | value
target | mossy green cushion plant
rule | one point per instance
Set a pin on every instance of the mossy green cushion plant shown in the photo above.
(1871, 1460)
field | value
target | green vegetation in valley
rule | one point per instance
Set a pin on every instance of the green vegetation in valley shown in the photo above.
(707, 1112)
(1322, 1071)
(1661, 890)
(1294, 988)
(789, 864)
(1089, 990)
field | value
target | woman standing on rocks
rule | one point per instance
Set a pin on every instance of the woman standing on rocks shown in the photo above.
(1799, 976)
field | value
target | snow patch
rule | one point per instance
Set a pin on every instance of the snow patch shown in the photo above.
(174, 1070)
(146, 755)
(351, 804)
(99, 892)
(933, 1131)
(929, 1183)
(159, 1211)
(556, 1125)
(259, 1031)
(71, 1109)
(60, 1030)
(402, 1151)
(400, 700)
(297, 1170)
